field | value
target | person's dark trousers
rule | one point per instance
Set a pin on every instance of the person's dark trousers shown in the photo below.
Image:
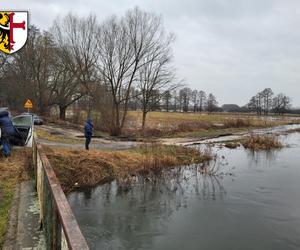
(17, 139)
(5, 145)
(87, 143)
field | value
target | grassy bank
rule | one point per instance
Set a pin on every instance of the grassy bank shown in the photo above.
(12, 171)
(76, 168)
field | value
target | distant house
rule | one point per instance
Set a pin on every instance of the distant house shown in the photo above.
(231, 108)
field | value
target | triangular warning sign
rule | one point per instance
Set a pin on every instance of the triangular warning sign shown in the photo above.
(28, 104)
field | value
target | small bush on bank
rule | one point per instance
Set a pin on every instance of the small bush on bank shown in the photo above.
(232, 145)
(262, 142)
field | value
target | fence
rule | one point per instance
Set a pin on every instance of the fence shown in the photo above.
(56, 217)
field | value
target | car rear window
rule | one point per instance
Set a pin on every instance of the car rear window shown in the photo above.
(22, 121)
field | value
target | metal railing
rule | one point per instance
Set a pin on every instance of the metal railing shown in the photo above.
(56, 217)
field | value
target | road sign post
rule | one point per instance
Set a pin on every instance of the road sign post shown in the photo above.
(28, 105)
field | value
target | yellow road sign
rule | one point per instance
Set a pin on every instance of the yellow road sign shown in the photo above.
(28, 104)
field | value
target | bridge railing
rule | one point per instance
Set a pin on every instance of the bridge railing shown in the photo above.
(56, 217)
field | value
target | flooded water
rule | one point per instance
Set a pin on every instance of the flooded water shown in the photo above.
(272, 130)
(253, 203)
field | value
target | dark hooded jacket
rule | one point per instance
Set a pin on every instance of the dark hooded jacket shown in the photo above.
(88, 128)
(7, 128)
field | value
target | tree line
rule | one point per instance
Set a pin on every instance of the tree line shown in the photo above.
(104, 65)
(181, 99)
(265, 102)
(187, 100)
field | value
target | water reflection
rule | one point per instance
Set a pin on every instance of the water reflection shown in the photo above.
(146, 207)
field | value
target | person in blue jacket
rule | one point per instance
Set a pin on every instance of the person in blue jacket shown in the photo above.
(88, 132)
(7, 132)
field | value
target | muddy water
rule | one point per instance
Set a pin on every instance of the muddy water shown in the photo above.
(253, 203)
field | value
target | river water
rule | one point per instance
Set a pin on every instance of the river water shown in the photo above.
(252, 203)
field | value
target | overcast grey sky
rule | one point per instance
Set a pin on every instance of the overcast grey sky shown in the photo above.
(232, 48)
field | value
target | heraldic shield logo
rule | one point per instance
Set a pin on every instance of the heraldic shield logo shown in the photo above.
(13, 30)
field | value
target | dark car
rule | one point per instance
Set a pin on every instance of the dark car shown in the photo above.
(37, 120)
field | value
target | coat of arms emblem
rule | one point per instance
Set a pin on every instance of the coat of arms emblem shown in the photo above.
(13, 30)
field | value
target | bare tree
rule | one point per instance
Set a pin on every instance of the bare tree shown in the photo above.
(167, 99)
(267, 95)
(3, 79)
(3, 61)
(185, 96)
(253, 105)
(156, 74)
(261, 102)
(134, 102)
(211, 103)
(125, 45)
(175, 100)
(29, 73)
(256, 103)
(77, 39)
(65, 86)
(202, 100)
(194, 96)
(281, 104)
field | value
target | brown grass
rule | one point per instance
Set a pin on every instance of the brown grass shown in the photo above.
(296, 130)
(232, 145)
(178, 124)
(76, 168)
(13, 170)
(241, 123)
(262, 142)
(46, 135)
(160, 124)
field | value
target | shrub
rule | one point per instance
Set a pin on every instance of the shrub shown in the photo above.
(232, 145)
(262, 142)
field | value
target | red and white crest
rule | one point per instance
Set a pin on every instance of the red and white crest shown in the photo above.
(13, 30)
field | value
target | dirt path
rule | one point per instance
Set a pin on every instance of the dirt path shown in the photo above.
(55, 130)
(78, 141)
